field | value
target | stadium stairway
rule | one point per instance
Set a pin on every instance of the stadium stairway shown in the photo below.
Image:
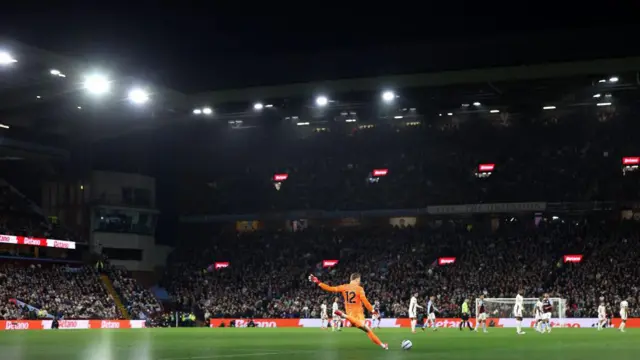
(114, 294)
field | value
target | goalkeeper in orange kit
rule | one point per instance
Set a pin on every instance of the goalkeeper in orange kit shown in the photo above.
(354, 299)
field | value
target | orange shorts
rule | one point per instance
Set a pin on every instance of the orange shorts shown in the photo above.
(356, 319)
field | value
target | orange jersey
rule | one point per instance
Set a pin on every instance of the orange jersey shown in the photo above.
(354, 298)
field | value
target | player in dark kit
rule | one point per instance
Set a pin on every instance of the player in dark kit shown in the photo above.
(547, 309)
(466, 313)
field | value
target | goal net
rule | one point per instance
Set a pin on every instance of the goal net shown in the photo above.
(503, 307)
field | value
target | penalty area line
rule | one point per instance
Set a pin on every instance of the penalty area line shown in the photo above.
(223, 356)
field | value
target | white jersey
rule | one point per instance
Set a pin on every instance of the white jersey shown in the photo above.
(323, 311)
(518, 307)
(623, 310)
(538, 310)
(413, 307)
(602, 312)
(334, 308)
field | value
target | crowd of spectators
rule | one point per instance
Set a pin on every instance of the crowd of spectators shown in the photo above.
(267, 276)
(572, 157)
(59, 290)
(138, 301)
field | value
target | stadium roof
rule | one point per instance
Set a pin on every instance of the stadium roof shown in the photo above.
(602, 67)
(33, 97)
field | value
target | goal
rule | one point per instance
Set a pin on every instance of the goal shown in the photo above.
(503, 307)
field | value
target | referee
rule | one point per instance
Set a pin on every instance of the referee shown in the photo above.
(465, 315)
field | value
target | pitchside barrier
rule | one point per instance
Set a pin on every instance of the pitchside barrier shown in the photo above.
(443, 322)
(71, 324)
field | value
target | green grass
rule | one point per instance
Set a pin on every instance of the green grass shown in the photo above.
(283, 344)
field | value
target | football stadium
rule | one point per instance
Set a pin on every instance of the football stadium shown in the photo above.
(480, 212)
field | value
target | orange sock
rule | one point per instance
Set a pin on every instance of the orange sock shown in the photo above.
(374, 338)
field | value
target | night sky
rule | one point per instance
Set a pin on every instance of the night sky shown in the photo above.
(201, 48)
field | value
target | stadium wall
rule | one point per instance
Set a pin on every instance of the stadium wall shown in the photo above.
(71, 324)
(406, 323)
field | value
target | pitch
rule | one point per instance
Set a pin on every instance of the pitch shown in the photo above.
(279, 344)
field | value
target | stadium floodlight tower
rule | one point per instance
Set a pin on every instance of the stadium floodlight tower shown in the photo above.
(388, 96)
(258, 106)
(138, 96)
(6, 58)
(503, 308)
(97, 84)
(322, 100)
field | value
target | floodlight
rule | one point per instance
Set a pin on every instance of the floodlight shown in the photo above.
(207, 111)
(494, 111)
(613, 79)
(138, 96)
(6, 58)
(596, 95)
(197, 111)
(477, 103)
(56, 72)
(4, 126)
(388, 96)
(322, 100)
(97, 84)
(549, 107)
(258, 106)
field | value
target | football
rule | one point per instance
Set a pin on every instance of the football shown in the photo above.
(406, 344)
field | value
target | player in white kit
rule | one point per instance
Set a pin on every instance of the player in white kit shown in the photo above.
(624, 309)
(602, 315)
(517, 312)
(324, 316)
(336, 324)
(538, 316)
(375, 317)
(413, 311)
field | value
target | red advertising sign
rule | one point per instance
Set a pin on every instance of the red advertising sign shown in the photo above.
(446, 260)
(329, 263)
(632, 160)
(31, 241)
(221, 265)
(572, 258)
(280, 177)
(380, 172)
(486, 167)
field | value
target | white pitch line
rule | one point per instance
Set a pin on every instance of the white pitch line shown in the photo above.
(235, 355)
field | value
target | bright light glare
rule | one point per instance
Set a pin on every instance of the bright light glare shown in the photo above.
(551, 107)
(613, 79)
(302, 124)
(602, 81)
(207, 111)
(97, 84)
(258, 106)
(6, 58)
(477, 103)
(494, 111)
(398, 117)
(138, 96)
(388, 96)
(596, 95)
(4, 126)
(450, 114)
(54, 72)
(197, 111)
(322, 100)
(603, 104)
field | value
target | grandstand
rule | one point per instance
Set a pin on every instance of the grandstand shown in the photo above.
(172, 209)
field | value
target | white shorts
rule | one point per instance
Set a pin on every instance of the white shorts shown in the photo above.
(412, 315)
(375, 316)
(538, 317)
(602, 317)
(517, 313)
(431, 317)
(546, 316)
(482, 316)
(324, 316)
(623, 315)
(337, 318)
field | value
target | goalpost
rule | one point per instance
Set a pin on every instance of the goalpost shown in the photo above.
(503, 307)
